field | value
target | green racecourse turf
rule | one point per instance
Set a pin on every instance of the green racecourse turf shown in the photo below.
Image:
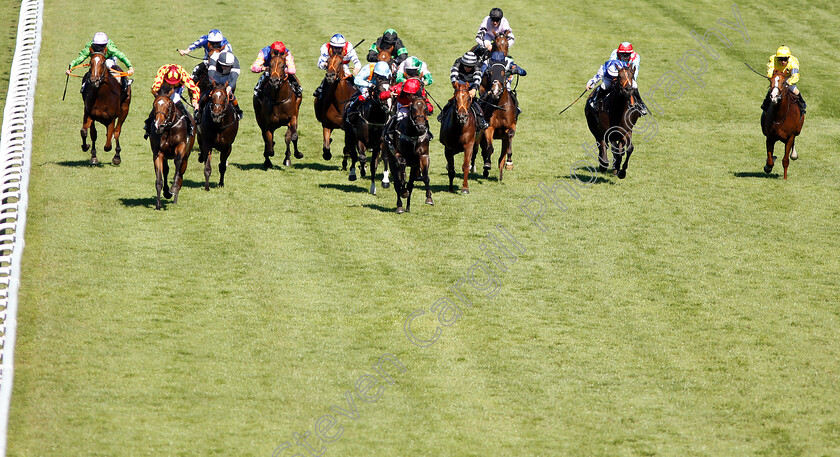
(690, 309)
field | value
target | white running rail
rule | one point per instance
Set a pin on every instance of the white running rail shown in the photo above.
(15, 162)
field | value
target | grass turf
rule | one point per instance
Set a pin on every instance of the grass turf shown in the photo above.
(689, 309)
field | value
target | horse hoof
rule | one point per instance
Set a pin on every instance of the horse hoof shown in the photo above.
(400, 210)
(85, 147)
(602, 168)
(509, 166)
(327, 155)
(267, 165)
(472, 168)
(116, 160)
(287, 163)
(298, 155)
(767, 169)
(622, 174)
(94, 161)
(352, 177)
(386, 184)
(430, 202)
(465, 191)
(167, 194)
(486, 172)
(107, 148)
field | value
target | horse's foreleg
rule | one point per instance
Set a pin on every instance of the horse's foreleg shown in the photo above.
(326, 147)
(469, 159)
(374, 155)
(287, 160)
(450, 166)
(412, 176)
(268, 138)
(109, 133)
(223, 161)
(93, 159)
(622, 173)
(386, 169)
(508, 148)
(487, 149)
(603, 162)
(207, 152)
(424, 175)
(180, 169)
(86, 123)
(351, 151)
(166, 193)
(768, 167)
(159, 163)
(504, 156)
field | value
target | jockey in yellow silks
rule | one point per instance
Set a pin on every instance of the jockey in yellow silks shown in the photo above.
(786, 63)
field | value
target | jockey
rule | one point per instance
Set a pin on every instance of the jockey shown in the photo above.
(223, 70)
(213, 43)
(389, 39)
(101, 43)
(338, 45)
(177, 78)
(494, 23)
(785, 62)
(625, 53)
(406, 92)
(414, 68)
(608, 76)
(370, 75)
(264, 60)
(498, 57)
(465, 69)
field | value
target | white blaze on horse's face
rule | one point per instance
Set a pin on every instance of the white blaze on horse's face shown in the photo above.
(775, 94)
(160, 113)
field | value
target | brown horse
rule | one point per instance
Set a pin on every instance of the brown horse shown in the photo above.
(103, 104)
(277, 106)
(613, 124)
(458, 133)
(782, 121)
(365, 128)
(384, 55)
(329, 107)
(500, 42)
(412, 150)
(500, 112)
(169, 139)
(218, 128)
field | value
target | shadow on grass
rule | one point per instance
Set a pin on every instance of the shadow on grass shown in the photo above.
(587, 179)
(148, 202)
(380, 208)
(79, 163)
(316, 166)
(254, 166)
(755, 174)
(351, 188)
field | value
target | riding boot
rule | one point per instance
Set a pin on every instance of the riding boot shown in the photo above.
(516, 103)
(187, 115)
(85, 80)
(296, 86)
(640, 104)
(258, 87)
(802, 105)
(443, 110)
(319, 90)
(479, 116)
(766, 102)
(147, 127)
(236, 108)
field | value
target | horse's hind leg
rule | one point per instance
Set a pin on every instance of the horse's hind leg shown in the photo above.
(180, 169)
(386, 168)
(351, 152)
(327, 140)
(788, 147)
(768, 167)
(487, 149)
(415, 170)
(287, 161)
(292, 135)
(622, 173)
(223, 160)
(424, 175)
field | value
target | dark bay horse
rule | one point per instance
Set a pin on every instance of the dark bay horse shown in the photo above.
(103, 104)
(329, 108)
(458, 133)
(500, 112)
(365, 130)
(277, 106)
(782, 121)
(169, 139)
(412, 150)
(217, 130)
(612, 126)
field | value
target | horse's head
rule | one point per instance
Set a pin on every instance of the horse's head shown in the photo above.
(163, 112)
(277, 69)
(778, 86)
(335, 68)
(497, 80)
(462, 101)
(500, 42)
(419, 115)
(384, 54)
(625, 81)
(388, 104)
(218, 102)
(98, 69)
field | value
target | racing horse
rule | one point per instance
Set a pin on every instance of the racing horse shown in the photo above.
(499, 108)
(500, 42)
(329, 108)
(217, 129)
(458, 133)
(364, 128)
(104, 104)
(384, 55)
(412, 150)
(169, 138)
(612, 123)
(782, 121)
(277, 106)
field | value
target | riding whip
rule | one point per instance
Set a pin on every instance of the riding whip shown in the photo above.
(190, 55)
(433, 99)
(581, 95)
(65, 84)
(759, 74)
(357, 44)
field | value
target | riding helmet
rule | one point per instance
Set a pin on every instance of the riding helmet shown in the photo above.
(338, 40)
(215, 36)
(173, 76)
(783, 51)
(625, 47)
(496, 14)
(411, 86)
(278, 46)
(469, 59)
(382, 69)
(389, 37)
(100, 38)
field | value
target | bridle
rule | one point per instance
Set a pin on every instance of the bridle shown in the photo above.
(98, 68)
(163, 101)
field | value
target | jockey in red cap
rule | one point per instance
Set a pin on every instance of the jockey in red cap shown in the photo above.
(405, 92)
(625, 53)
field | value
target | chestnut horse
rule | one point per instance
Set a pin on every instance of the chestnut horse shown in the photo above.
(103, 104)
(365, 130)
(329, 108)
(458, 133)
(500, 42)
(384, 55)
(412, 150)
(169, 139)
(278, 105)
(782, 121)
(613, 125)
(218, 128)
(500, 112)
